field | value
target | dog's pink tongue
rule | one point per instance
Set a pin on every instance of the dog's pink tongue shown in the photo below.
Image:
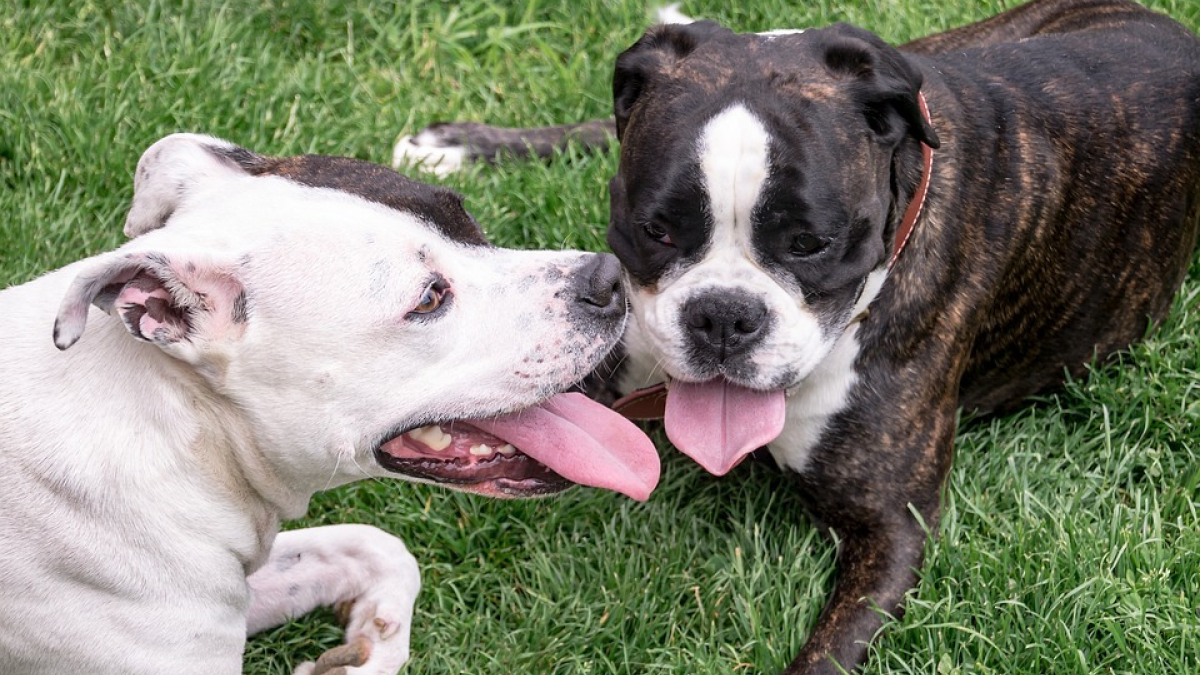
(717, 423)
(584, 442)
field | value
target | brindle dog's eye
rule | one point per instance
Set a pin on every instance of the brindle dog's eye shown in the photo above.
(658, 232)
(806, 244)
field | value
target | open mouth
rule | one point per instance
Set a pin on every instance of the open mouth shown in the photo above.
(539, 450)
(458, 454)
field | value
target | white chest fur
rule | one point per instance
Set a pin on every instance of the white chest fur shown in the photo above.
(822, 395)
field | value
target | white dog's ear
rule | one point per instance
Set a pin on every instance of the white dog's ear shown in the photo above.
(171, 169)
(180, 303)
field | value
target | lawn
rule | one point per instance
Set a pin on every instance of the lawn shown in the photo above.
(1071, 536)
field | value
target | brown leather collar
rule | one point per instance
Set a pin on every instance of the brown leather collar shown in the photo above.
(918, 200)
(650, 403)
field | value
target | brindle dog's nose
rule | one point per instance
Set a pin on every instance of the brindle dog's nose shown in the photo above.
(725, 324)
(598, 286)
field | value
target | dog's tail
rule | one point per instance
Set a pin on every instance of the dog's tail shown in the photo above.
(447, 147)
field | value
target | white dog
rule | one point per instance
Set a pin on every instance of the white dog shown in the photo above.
(276, 327)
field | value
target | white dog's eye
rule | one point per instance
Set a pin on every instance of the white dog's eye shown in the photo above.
(434, 296)
(429, 302)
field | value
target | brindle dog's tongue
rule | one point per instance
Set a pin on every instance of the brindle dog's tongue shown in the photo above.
(718, 423)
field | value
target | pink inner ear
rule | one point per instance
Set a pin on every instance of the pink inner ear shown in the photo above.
(149, 312)
(222, 310)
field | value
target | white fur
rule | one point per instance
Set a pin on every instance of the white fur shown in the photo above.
(671, 14)
(870, 291)
(780, 32)
(810, 406)
(426, 152)
(826, 391)
(143, 483)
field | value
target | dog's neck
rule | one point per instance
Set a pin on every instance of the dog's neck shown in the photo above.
(199, 438)
(916, 203)
(220, 452)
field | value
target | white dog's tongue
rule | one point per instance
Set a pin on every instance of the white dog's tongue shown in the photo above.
(584, 442)
(717, 423)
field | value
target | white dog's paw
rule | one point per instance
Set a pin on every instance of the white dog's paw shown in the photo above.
(369, 578)
(377, 639)
(341, 660)
(433, 152)
(378, 625)
(384, 621)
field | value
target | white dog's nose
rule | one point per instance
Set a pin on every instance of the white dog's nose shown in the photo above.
(598, 286)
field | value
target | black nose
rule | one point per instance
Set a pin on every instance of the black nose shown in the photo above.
(598, 285)
(725, 324)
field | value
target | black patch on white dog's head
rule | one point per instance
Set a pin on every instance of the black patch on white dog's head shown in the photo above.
(437, 206)
(177, 166)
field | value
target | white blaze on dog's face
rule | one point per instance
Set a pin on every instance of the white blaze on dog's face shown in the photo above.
(361, 319)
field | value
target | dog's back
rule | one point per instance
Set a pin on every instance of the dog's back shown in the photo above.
(1110, 96)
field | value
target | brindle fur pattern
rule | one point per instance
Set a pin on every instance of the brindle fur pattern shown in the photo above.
(1062, 215)
(1048, 240)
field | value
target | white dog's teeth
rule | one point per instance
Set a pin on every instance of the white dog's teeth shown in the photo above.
(507, 449)
(481, 450)
(442, 441)
(432, 436)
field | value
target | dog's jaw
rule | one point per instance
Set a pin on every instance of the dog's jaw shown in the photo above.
(458, 454)
(535, 450)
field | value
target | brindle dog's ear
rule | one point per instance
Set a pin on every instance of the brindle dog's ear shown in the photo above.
(881, 79)
(657, 50)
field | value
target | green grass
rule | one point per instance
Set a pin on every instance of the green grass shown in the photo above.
(1071, 534)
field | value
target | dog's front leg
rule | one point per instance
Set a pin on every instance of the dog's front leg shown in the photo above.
(366, 572)
(875, 569)
(879, 494)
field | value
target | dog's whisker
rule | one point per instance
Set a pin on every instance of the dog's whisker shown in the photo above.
(658, 362)
(366, 474)
(332, 474)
